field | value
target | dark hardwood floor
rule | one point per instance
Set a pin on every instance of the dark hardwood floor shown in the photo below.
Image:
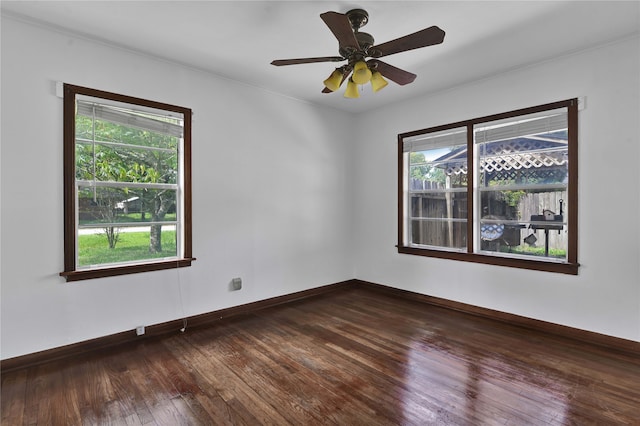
(350, 357)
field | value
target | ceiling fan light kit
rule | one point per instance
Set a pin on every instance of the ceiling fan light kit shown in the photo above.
(377, 81)
(361, 73)
(334, 81)
(355, 47)
(352, 90)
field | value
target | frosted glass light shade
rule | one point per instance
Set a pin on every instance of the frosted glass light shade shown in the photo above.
(334, 81)
(352, 90)
(361, 73)
(377, 81)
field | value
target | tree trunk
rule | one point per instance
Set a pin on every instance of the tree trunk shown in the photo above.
(155, 239)
(155, 233)
(113, 235)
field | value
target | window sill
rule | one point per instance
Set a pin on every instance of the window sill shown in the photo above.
(87, 274)
(537, 265)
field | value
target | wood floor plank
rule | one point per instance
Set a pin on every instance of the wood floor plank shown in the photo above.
(371, 384)
(301, 381)
(12, 403)
(351, 357)
(65, 410)
(128, 381)
(244, 400)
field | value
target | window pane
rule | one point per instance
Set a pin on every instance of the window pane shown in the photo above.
(523, 173)
(127, 126)
(124, 164)
(439, 219)
(525, 150)
(529, 223)
(440, 233)
(439, 205)
(438, 160)
(106, 132)
(111, 244)
(106, 205)
(516, 165)
(437, 179)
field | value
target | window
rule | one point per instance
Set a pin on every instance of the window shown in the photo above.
(127, 184)
(500, 190)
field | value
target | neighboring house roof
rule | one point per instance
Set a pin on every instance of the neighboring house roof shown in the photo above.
(540, 157)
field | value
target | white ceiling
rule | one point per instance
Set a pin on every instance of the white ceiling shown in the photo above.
(239, 39)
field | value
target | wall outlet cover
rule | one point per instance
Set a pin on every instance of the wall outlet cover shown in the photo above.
(236, 283)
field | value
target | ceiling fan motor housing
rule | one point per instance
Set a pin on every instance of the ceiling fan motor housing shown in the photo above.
(365, 41)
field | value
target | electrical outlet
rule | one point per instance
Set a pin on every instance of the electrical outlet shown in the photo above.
(140, 330)
(236, 283)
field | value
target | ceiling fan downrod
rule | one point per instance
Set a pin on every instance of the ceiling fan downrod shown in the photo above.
(358, 18)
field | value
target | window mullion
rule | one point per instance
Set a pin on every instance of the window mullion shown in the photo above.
(471, 190)
(572, 187)
(93, 152)
(124, 145)
(118, 184)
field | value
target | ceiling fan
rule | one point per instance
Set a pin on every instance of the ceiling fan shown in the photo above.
(356, 47)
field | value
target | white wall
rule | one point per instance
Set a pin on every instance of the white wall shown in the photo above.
(605, 296)
(271, 194)
(274, 198)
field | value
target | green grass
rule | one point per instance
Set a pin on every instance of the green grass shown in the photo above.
(534, 251)
(94, 249)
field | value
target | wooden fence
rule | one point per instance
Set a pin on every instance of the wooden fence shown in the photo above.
(450, 233)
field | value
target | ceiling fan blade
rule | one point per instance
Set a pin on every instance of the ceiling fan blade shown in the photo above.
(340, 26)
(427, 37)
(280, 62)
(394, 74)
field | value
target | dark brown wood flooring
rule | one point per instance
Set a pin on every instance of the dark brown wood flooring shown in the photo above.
(350, 357)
